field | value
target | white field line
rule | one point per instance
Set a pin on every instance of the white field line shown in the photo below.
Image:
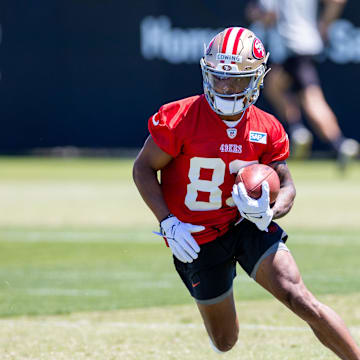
(140, 325)
(74, 236)
(140, 279)
(67, 292)
(137, 278)
(332, 240)
(145, 237)
(147, 326)
(88, 274)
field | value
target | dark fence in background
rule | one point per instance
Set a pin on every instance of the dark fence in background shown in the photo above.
(90, 73)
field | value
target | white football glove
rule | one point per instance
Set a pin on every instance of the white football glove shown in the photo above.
(178, 236)
(255, 210)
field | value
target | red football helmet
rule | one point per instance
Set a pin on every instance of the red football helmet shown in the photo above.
(233, 69)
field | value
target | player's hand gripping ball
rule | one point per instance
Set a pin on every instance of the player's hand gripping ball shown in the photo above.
(252, 177)
(256, 187)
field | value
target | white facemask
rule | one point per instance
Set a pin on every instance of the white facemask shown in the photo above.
(227, 106)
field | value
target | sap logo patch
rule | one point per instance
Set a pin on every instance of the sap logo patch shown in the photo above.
(258, 137)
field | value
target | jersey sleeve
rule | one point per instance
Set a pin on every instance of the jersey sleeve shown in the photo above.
(278, 148)
(163, 127)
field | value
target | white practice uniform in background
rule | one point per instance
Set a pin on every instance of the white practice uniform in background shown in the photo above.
(297, 24)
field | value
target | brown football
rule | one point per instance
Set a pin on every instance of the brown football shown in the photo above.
(253, 175)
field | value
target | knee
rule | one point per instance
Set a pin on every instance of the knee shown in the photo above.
(225, 343)
(304, 304)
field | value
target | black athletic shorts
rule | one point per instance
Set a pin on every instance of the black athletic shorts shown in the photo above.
(209, 278)
(302, 70)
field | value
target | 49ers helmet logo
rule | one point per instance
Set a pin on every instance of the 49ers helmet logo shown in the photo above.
(258, 49)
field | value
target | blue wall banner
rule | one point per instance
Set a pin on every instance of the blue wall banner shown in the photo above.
(90, 73)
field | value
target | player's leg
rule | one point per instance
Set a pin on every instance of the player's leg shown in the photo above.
(287, 105)
(319, 112)
(221, 322)
(276, 90)
(313, 100)
(279, 274)
(326, 124)
(209, 280)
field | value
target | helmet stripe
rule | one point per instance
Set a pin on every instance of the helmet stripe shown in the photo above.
(236, 42)
(237, 39)
(231, 41)
(226, 39)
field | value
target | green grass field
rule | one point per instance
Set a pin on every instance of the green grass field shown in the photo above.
(83, 277)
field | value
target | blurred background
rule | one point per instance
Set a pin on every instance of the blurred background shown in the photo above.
(88, 74)
(81, 274)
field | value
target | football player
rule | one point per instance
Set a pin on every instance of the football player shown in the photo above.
(199, 144)
(294, 85)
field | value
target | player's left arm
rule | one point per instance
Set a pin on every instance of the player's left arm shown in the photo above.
(287, 193)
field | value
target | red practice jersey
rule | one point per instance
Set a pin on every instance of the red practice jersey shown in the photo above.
(207, 154)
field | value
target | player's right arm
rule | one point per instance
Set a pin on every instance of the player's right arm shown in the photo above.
(150, 160)
(178, 234)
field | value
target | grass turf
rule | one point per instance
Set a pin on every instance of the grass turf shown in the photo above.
(66, 271)
(75, 238)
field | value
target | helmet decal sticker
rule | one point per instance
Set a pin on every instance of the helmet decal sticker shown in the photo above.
(258, 49)
(228, 57)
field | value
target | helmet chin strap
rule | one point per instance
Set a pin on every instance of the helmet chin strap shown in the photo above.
(229, 107)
